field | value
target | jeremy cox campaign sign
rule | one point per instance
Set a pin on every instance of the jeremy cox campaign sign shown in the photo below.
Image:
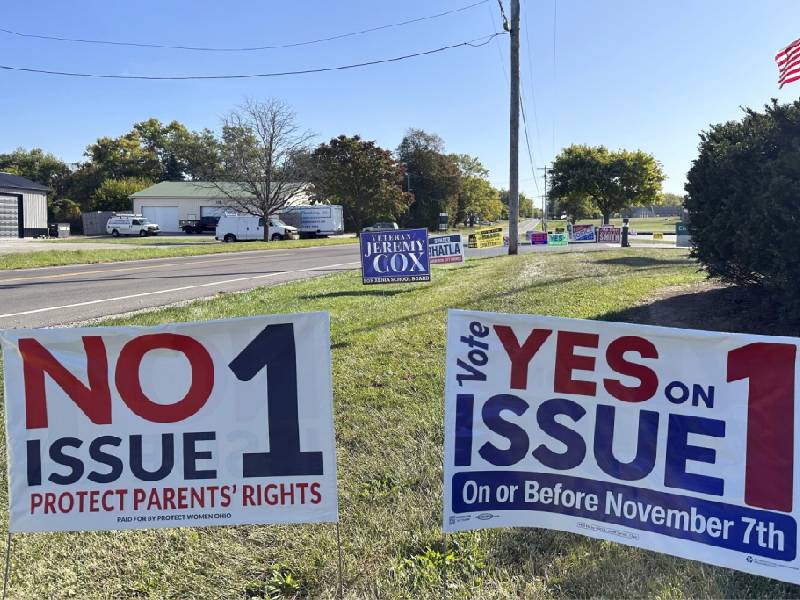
(443, 249)
(395, 256)
(679, 441)
(183, 425)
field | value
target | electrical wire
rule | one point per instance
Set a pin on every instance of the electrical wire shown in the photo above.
(244, 49)
(475, 43)
(555, 78)
(528, 145)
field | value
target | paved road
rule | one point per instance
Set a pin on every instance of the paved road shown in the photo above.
(60, 295)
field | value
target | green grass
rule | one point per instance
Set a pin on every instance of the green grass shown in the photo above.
(388, 374)
(55, 257)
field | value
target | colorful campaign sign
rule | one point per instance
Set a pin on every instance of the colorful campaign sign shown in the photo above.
(395, 256)
(557, 239)
(583, 233)
(444, 249)
(609, 234)
(679, 441)
(185, 425)
(490, 237)
(537, 238)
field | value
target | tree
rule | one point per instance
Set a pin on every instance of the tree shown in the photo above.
(63, 210)
(612, 181)
(264, 151)
(668, 199)
(364, 178)
(36, 165)
(576, 207)
(743, 199)
(526, 209)
(114, 194)
(476, 196)
(433, 177)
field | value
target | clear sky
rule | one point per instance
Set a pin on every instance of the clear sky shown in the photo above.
(624, 73)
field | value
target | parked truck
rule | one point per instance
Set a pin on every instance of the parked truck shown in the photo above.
(315, 220)
(201, 225)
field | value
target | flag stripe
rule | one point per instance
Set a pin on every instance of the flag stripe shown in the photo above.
(788, 62)
(789, 65)
(790, 80)
(785, 77)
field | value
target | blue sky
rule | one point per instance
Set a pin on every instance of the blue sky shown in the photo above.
(627, 73)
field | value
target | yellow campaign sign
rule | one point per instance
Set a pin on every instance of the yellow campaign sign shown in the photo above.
(491, 237)
(658, 235)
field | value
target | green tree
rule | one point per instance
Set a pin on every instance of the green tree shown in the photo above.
(63, 210)
(743, 199)
(37, 165)
(433, 176)
(576, 207)
(113, 194)
(476, 196)
(668, 199)
(612, 181)
(361, 176)
(526, 208)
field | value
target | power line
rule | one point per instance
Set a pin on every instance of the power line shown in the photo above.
(475, 43)
(243, 49)
(532, 85)
(528, 143)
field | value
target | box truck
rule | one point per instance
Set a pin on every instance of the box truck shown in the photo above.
(314, 220)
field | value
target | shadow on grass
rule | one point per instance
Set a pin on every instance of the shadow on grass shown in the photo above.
(644, 261)
(736, 309)
(356, 293)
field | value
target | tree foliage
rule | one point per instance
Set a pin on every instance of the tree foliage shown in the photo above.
(526, 208)
(434, 178)
(477, 199)
(611, 181)
(113, 194)
(743, 198)
(36, 165)
(362, 177)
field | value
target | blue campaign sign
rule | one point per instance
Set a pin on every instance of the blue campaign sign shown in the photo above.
(395, 256)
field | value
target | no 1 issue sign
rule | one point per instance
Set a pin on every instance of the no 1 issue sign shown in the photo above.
(172, 426)
(679, 441)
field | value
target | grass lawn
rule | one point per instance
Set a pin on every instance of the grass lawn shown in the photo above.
(141, 248)
(388, 374)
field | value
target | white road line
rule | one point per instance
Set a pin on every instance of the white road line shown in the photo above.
(178, 289)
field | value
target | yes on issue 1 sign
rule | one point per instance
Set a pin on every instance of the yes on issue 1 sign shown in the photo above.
(395, 256)
(444, 249)
(679, 441)
(182, 425)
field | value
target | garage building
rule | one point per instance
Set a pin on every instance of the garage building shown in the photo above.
(169, 202)
(23, 207)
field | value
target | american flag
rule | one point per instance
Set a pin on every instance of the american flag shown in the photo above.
(788, 61)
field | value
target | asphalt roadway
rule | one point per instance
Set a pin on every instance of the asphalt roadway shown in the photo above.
(54, 296)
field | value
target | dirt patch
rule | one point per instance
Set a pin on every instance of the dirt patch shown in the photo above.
(710, 306)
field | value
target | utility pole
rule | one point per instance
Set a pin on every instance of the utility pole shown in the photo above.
(513, 188)
(544, 203)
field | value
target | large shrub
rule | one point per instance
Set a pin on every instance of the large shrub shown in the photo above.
(743, 197)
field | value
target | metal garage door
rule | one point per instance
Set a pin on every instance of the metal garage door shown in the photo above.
(165, 216)
(212, 211)
(9, 217)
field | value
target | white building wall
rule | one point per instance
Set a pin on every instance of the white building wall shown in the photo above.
(34, 210)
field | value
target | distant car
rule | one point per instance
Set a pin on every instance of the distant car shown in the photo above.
(382, 226)
(200, 225)
(131, 225)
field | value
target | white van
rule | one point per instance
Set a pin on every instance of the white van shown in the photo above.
(131, 225)
(314, 220)
(233, 228)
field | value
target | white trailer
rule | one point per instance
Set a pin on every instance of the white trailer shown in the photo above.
(313, 220)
